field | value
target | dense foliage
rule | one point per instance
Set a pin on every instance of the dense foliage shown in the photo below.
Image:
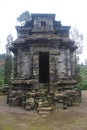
(24, 17)
(78, 76)
(1, 75)
(2, 58)
(83, 73)
(8, 69)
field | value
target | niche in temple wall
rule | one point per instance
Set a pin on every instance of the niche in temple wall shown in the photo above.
(23, 63)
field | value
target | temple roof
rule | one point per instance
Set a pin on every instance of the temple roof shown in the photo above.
(44, 38)
(41, 15)
(53, 32)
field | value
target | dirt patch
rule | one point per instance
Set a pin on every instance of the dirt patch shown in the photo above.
(16, 118)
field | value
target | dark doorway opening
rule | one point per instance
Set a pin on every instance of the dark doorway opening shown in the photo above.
(44, 67)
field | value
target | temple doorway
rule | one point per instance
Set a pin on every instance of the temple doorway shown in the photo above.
(43, 67)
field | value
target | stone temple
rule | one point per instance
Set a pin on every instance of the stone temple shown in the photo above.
(44, 64)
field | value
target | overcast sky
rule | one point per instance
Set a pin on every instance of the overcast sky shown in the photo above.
(70, 12)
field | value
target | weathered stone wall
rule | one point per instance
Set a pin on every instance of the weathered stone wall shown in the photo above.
(15, 65)
(52, 63)
(19, 52)
(36, 66)
(26, 63)
(73, 63)
(23, 63)
(61, 64)
(39, 27)
(68, 62)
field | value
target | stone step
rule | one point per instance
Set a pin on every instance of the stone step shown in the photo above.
(44, 108)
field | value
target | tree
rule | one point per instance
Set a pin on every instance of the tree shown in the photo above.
(1, 75)
(24, 17)
(9, 41)
(8, 69)
(78, 38)
(2, 60)
(8, 61)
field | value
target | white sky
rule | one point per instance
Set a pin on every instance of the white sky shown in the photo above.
(69, 12)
